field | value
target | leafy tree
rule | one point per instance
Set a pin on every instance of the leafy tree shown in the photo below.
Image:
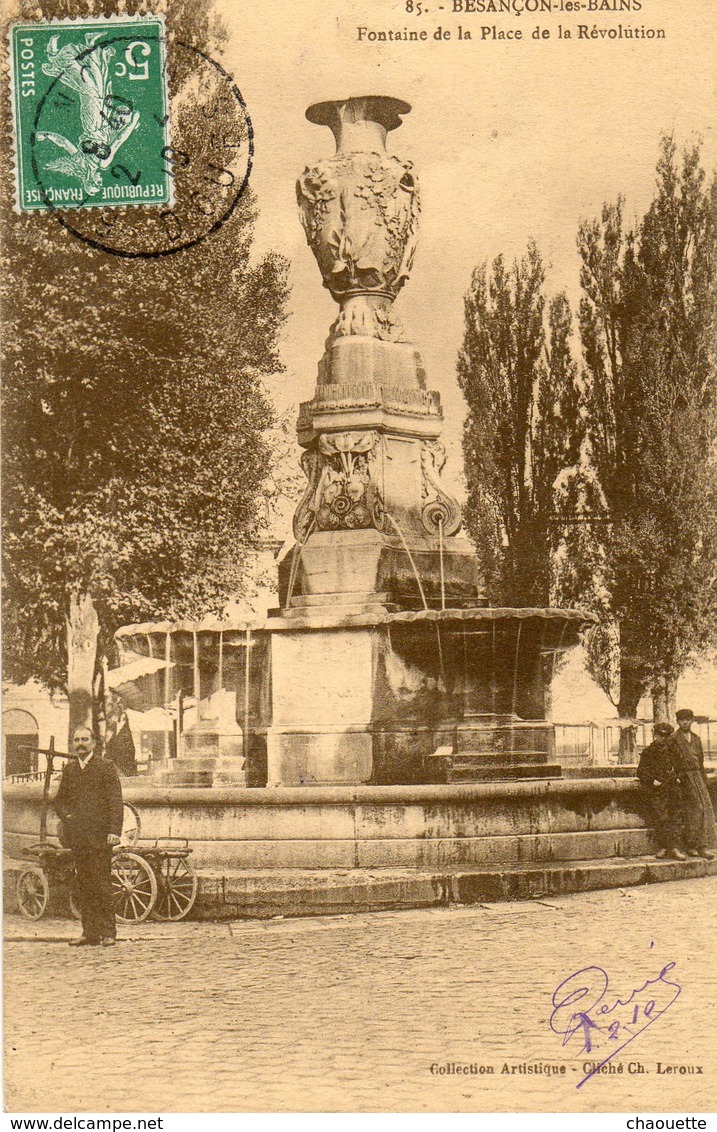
(648, 322)
(523, 425)
(134, 414)
(285, 482)
(579, 566)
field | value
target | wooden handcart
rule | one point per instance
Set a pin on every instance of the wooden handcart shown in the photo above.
(156, 880)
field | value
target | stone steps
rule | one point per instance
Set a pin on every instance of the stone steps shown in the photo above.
(493, 766)
(267, 893)
(203, 746)
(505, 772)
(498, 758)
(186, 778)
(198, 761)
(202, 770)
(230, 894)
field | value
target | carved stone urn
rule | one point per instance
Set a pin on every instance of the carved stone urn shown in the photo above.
(360, 211)
(375, 525)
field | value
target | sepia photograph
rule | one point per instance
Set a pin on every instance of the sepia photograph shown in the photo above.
(359, 558)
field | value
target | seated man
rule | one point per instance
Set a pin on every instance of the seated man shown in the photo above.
(661, 786)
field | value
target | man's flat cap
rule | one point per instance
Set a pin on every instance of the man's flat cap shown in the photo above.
(685, 713)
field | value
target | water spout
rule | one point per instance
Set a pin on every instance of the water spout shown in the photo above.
(556, 651)
(541, 656)
(440, 559)
(514, 700)
(516, 664)
(247, 669)
(167, 693)
(441, 663)
(295, 562)
(195, 671)
(493, 669)
(398, 530)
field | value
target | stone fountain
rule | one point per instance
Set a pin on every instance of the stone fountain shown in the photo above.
(384, 664)
(400, 722)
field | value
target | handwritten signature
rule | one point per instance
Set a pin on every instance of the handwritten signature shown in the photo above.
(590, 987)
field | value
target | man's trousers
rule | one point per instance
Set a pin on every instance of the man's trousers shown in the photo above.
(667, 818)
(93, 869)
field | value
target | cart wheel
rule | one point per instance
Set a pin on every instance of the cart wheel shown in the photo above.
(33, 892)
(131, 824)
(134, 886)
(177, 889)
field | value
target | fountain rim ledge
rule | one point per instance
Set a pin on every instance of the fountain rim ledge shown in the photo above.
(332, 618)
(358, 794)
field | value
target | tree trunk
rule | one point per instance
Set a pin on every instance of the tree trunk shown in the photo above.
(630, 695)
(664, 700)
(83, 629)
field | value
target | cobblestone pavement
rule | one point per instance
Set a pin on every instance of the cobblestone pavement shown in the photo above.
(350, 1013)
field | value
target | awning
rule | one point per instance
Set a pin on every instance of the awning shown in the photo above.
(129, 680)
(128, 673)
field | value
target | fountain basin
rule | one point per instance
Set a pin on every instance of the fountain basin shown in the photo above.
(292, 852)
(322, 697)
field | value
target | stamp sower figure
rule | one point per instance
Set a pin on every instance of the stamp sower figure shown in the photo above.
(661, 787)
(89, 804)
(699, 832)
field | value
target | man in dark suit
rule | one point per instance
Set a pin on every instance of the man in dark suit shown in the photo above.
(661, 787)
(700, 834)
(89, 805)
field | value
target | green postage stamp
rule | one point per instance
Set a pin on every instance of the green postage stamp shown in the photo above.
(91, 113)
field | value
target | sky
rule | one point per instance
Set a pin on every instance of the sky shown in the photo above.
(511, 141)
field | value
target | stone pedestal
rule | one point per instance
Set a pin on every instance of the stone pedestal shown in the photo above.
(375, 524)
(322, 707)
(360, 569)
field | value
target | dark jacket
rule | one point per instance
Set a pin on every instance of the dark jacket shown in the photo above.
(688, 746)
(89, 803)
(657, 762)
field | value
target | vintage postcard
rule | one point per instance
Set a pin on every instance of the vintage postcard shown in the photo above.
(359, 554)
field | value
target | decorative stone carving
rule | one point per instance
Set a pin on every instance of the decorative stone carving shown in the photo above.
(370, 316)
(305, 515)
(360, 212)
(439, 509)
(341, 493)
